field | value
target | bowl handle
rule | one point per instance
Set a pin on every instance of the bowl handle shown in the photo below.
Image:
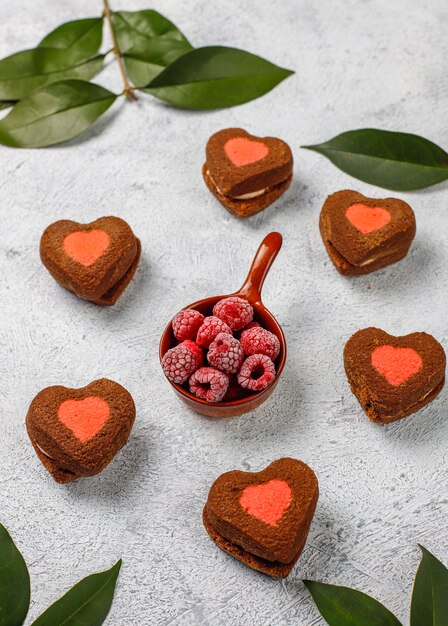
(264, 258)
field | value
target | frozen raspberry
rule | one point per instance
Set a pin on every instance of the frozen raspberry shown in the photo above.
(226, 353)
(234, 311)
(179, 363)
(260, 341)
(209, 384)
(210, 328)
(186, 324)
(191, 345)
(256, 373)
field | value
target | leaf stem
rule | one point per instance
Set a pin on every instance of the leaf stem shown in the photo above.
(128, 90)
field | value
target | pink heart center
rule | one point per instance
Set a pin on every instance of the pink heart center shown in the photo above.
(85, 418)
(242, 151)
(267, 501)
(397, 365)
(367, 218)
(86, 246)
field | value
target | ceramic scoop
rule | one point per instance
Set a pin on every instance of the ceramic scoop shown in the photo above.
(251, 291)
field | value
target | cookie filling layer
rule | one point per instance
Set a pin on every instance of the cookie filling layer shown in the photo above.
(249, 196)
(44, 452)
(59, 467)
(245, 196)
(368, 261)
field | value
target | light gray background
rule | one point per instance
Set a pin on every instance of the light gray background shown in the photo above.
(359, 63)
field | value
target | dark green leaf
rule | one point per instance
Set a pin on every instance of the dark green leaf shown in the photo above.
(137, 29)
(142, 65)
(397, 161)
(429, 605)
(54, 114)
(5, 104)
(86, 604)
(150, 43)
(342, 606)
(24, 72)
(14, 583)
(216, 77)
(83, 37)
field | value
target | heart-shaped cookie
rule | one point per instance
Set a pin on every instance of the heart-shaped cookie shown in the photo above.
(77, 432)
(96, 261)
(393, 377)
(263, 518)
(363, 234)
(246, 173)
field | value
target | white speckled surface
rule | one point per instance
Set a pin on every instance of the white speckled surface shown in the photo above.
(359, 63)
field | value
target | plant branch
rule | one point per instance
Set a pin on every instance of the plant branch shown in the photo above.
(128, 90)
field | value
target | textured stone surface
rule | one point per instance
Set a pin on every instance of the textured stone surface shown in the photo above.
(359, 63)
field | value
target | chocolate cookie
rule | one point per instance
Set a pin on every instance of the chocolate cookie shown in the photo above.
(362, 235)
(77, 432)
(393, 377)
(263, 518)
(246, 173)
(95, 261)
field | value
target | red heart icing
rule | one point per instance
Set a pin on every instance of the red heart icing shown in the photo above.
(242, 151)
(267, 501)
(86, 246)
(397, 365)
(86, 417)
(367, 218)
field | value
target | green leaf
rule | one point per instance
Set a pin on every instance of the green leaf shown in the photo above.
(14, 583)
(216, 77)
(5, 104)
(429, 606)
(149, 42)
(397, 161)
(342, 606)
(24, 72)
(83, 37)
(142, 65)
(137, 29)
(54, 114)
(86, 604)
